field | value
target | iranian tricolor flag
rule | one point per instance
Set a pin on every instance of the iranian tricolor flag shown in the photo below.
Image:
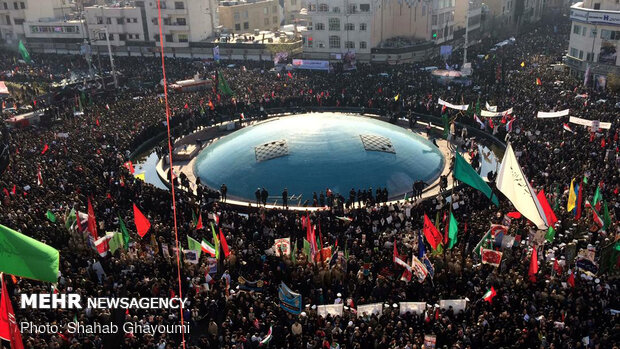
(488, 297)
(207, 247)
(567, 127)
(39, 177)
(267, 338)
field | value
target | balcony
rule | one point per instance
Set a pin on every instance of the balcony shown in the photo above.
(174, 27)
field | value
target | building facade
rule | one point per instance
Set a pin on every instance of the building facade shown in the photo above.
(291, 10)
(246, 16)
(14, 14)
(183, 21)
(594, 37)
(340, 26)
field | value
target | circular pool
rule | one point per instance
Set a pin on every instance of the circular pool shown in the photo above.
(308, 153)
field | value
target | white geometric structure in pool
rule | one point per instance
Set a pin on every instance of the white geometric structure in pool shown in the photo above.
(377, 143)
(271, 150)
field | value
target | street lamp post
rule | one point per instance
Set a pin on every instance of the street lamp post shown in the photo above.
(466, 34)
(107, 39)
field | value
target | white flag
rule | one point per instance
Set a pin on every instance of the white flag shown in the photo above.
(512, 182)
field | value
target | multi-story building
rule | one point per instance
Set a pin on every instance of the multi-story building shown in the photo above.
(594, 38)
(474, 18)
(245, 16)
(291, 10)
(13, 15)
(183, 21)
(339, 26)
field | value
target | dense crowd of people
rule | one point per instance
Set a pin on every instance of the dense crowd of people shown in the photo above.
(86, 156)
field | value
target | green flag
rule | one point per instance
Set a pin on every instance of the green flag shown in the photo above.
(194, 219)
(50, 215)
(24, 256)
(466, 174)
(70, 219)
(452, 230)
(222, 85)
(597, 196)
(484, 243)
(115, 242)
(294, 253)
(550, 234)
(306, 247)
(216, 242)
(606, 216)
(446, 125)
(194, 245)
(124, 231)
(22, 51)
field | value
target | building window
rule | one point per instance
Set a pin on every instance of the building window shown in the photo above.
(111, 37)
(597, 6)
(183, 38)
(108, 20)
(610, 34)
(119, 20)
(363, 44)
(6, 6)
(246, 25)
(334, 41)
(320, 44)
(434, 20)
(101, 36)
(179, 5)
(576, 29)
(293, 2)
(167, 21)
(266, 10)
(334, 24)
(8, 19)
(19, 21)
(15, 6)
(323, 8)
(237, 16)
(237, 27)
(156, 37)
(99, 20)
(181, 21)
(349, 26)
(580, 54)
(336, 9)
(266, 20)
(349, 44)
(246, 15)
(364, 7)
(312, 8)
(423, 10)
(274, 9)
(589, 56)
(352, 8)
(319, 26)
(574, 52)
(22, 5)
(169, 38)
(362, 27)
(122, 37)
(275, 20)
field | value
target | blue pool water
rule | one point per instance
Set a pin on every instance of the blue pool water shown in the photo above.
(325, 150)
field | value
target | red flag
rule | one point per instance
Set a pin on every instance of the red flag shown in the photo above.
(571, 279)
(224, 244)
(129, 166)
(211, 106)
(9, 330)
(579, 198)
(92, 223)
(39, 176)
(14, 189)
(446, 229)
(219, 98)
(430, 232)
(142, 223)
(395, 254)
(6, 192)
(290, 75)
(443, 108)
(551, 218)
(533, 270)
(603, 142)
(515, 214)
(557, 267)
(45, 148)
(186, 106)
(199, 224)
(538, 82)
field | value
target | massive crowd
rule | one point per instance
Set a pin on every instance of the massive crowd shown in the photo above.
(86, 156)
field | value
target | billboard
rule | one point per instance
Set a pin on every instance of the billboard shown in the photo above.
(310, 64)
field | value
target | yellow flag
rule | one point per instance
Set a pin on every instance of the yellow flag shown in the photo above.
(140, 176)
(396, 97)
(572, 198)
(522, 64)
(486, 57)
